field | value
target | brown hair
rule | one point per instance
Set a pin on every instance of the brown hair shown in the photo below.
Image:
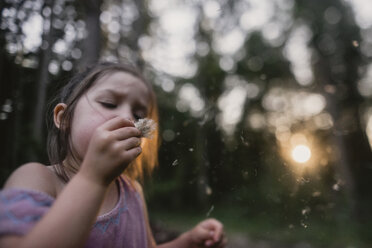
(59, 141)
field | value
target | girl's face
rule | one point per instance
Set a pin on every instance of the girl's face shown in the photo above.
(116, 94)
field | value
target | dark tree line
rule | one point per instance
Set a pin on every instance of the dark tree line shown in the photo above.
(200, 163)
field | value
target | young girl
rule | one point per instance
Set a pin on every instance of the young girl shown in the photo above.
(84, 199)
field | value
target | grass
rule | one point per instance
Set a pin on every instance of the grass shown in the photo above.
(270, 227)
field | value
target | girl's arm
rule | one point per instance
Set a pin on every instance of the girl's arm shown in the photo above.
(68, 222)
(208, 233)
(70, 219)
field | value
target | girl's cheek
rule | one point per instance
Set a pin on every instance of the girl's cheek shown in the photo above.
(82, 134)
(87, 117)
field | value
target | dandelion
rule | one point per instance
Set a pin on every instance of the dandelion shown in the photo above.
(146, 126)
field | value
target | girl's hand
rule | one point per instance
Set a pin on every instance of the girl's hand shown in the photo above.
(112, 147)
(208, 233)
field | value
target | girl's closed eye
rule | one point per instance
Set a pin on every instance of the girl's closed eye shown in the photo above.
(108, 105)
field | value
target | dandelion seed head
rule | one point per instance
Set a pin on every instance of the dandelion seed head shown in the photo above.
(146, 126)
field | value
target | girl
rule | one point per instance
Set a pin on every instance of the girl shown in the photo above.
(92, 141)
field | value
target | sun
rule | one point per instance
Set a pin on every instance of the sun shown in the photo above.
(301, 154)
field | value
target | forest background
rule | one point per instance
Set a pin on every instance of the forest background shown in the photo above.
(265, 107)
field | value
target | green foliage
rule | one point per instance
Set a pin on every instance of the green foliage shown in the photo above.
(245, 178)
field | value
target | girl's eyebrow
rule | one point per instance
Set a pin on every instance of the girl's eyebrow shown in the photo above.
(113, 92)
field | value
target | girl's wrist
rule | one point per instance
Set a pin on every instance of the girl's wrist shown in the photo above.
(90, 181)
(186, 239)
(94, 177)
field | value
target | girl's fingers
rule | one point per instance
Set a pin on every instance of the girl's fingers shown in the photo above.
(221, 242)
(117, 122)
(204, 234)
(125, 133)
(216, 227)
(218, 235)
(133, 153)
(130, 143)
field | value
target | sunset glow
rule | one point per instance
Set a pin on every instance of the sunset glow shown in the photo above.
(301, 154)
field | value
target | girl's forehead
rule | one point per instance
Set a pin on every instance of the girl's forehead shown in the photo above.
(120, 81)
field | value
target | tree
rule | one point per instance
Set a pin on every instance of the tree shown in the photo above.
(336, 70)
(48, 40)
(92, 43)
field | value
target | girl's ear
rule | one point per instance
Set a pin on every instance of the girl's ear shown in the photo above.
(58, 111)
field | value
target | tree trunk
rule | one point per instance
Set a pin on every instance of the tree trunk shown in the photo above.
(139, 28)
(349, 138)
(92, 43)
(343, 165)
(42, 83)
(339, 86)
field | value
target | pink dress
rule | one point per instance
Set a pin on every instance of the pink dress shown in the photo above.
(123, 226)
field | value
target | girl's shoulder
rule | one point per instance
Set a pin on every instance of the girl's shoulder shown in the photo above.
(132, 183)
(34, 176)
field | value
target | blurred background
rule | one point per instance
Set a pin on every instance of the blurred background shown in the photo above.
(265, 107)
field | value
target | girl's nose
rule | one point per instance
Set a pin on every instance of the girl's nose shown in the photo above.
(126, 113)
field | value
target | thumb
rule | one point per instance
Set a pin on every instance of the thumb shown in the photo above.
(201, 234)
(205, 233)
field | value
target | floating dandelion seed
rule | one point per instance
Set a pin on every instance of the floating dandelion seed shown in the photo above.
(355, 43)
(191, 149)
(175, 162)
(146, 126)
(336, 187)
(244, 141)
(210, 210)
(303, 180)
(304, 225)
(305, 211)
